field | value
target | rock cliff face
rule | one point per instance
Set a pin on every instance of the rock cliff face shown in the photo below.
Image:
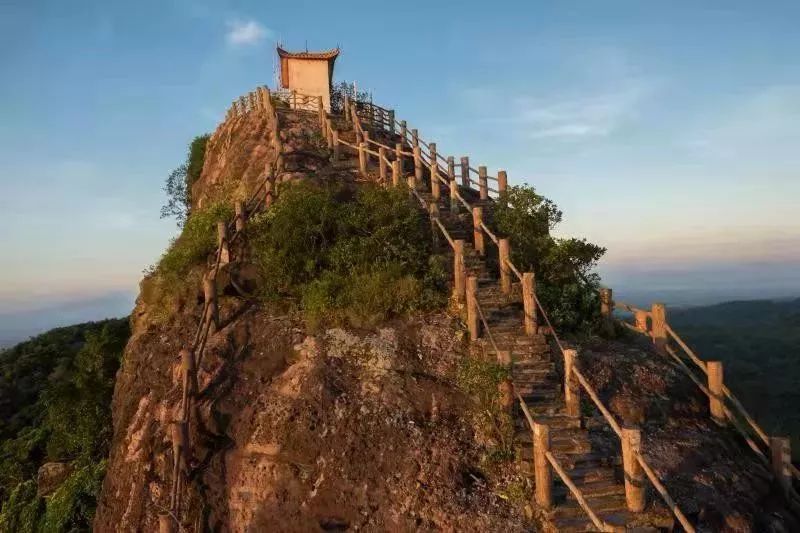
(295, 431)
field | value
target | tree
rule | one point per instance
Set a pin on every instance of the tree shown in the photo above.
(178, 185)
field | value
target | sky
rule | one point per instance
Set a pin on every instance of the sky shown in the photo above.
(667, 132)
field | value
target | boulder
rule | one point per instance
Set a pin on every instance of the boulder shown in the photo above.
(50, 477)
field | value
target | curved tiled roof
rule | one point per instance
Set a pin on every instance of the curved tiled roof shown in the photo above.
(326, 54)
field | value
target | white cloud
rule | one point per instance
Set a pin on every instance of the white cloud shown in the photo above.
(246, 32)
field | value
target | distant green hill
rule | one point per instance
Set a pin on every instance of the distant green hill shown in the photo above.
(55, 397)
(759, 345)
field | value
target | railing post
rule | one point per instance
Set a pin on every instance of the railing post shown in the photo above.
(165, 523)
(459, 271)
(453, 197)
(529, 302)
(572, 391)
(362, 158)
(346, 110)
(477, 231)
(715, 381)
(781, 454)
(543, 477)
(606, 310)
(382, 171)
(432, 150)
(436, 190)
(222, 242)
(417, 166)
(395, 173)
(640, 316)
(335, 142)
(403, 132)
(398, 154)
(506, 386)
(366, 143)
(210, 296)
(189, 370)
(634, 473)
(465, 171)
(267, 194)
(238, 208)
(504, 253)
(433, 212)
(483, 180)
(502, 181)
(391, 121)
(658, 317)
(473, 320)
(329, 129)
(414, 138)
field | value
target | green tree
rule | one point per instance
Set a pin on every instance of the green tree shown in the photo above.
(178, 185)
(565, 282)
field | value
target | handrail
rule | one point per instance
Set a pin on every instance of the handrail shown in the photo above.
(596, 399)
(514, 269)
(446, 234)
(486, 325)
(662, 490)
(489, 233)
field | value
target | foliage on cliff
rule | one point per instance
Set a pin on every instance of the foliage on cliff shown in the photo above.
(55, 397)
(565, 282)
(347, 256)
(178, 185)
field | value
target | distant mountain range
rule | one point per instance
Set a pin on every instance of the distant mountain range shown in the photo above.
(16, 327)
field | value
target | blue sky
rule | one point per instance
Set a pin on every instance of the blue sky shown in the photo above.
(666, 131)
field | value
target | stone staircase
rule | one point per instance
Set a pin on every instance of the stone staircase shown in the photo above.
(596, 473)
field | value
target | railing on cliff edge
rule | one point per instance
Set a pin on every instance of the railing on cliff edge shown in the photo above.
(258, 101)
(426, 158)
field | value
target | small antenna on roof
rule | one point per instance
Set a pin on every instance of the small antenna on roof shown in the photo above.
(306, 45)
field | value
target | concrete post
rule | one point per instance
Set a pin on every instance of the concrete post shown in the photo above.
(502, 181)
(641, 320)
(395, 173)
(459, 271)
(210, 296)
(335, 142)
(504, 252)
(543, 477)
(403, 132)
(414, 138)
(658, 318)
(716, 400)
(238, 208)
(607, 310)
(465, 171)
(382, 170)
(781, 454)
(477, 231)
(473, 320)
(483, 180)
(222, 242)
(417, 165)
(506, 386)
(572, 391)
(362, 158)
(634, 473)
(529, 302)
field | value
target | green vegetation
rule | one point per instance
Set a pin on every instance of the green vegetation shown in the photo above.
(55, 402)
(480, 380)
(565, 283)
(347, 256)
(178, 185)
(757, 341)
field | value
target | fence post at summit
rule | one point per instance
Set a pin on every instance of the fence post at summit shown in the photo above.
(403, 131)
(658, 319)
(502, 182)
(483, 181)
(417, 166)
(414, 138)
(434, 169)
(391, 121)
(465, 171)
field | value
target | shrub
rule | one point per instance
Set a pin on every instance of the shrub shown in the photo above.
(565, 283)
(72, 506)
(21, 513)
(178, 185)
(480, 379)
(343, 255)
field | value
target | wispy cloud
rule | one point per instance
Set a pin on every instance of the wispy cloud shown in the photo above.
(246, 32)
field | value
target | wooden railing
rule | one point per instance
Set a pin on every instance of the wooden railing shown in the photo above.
(297, 101)
(725, 408)
(228, 233)
(427, 159)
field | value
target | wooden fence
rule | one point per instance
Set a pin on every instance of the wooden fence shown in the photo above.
(427, 158)
(725, 408)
